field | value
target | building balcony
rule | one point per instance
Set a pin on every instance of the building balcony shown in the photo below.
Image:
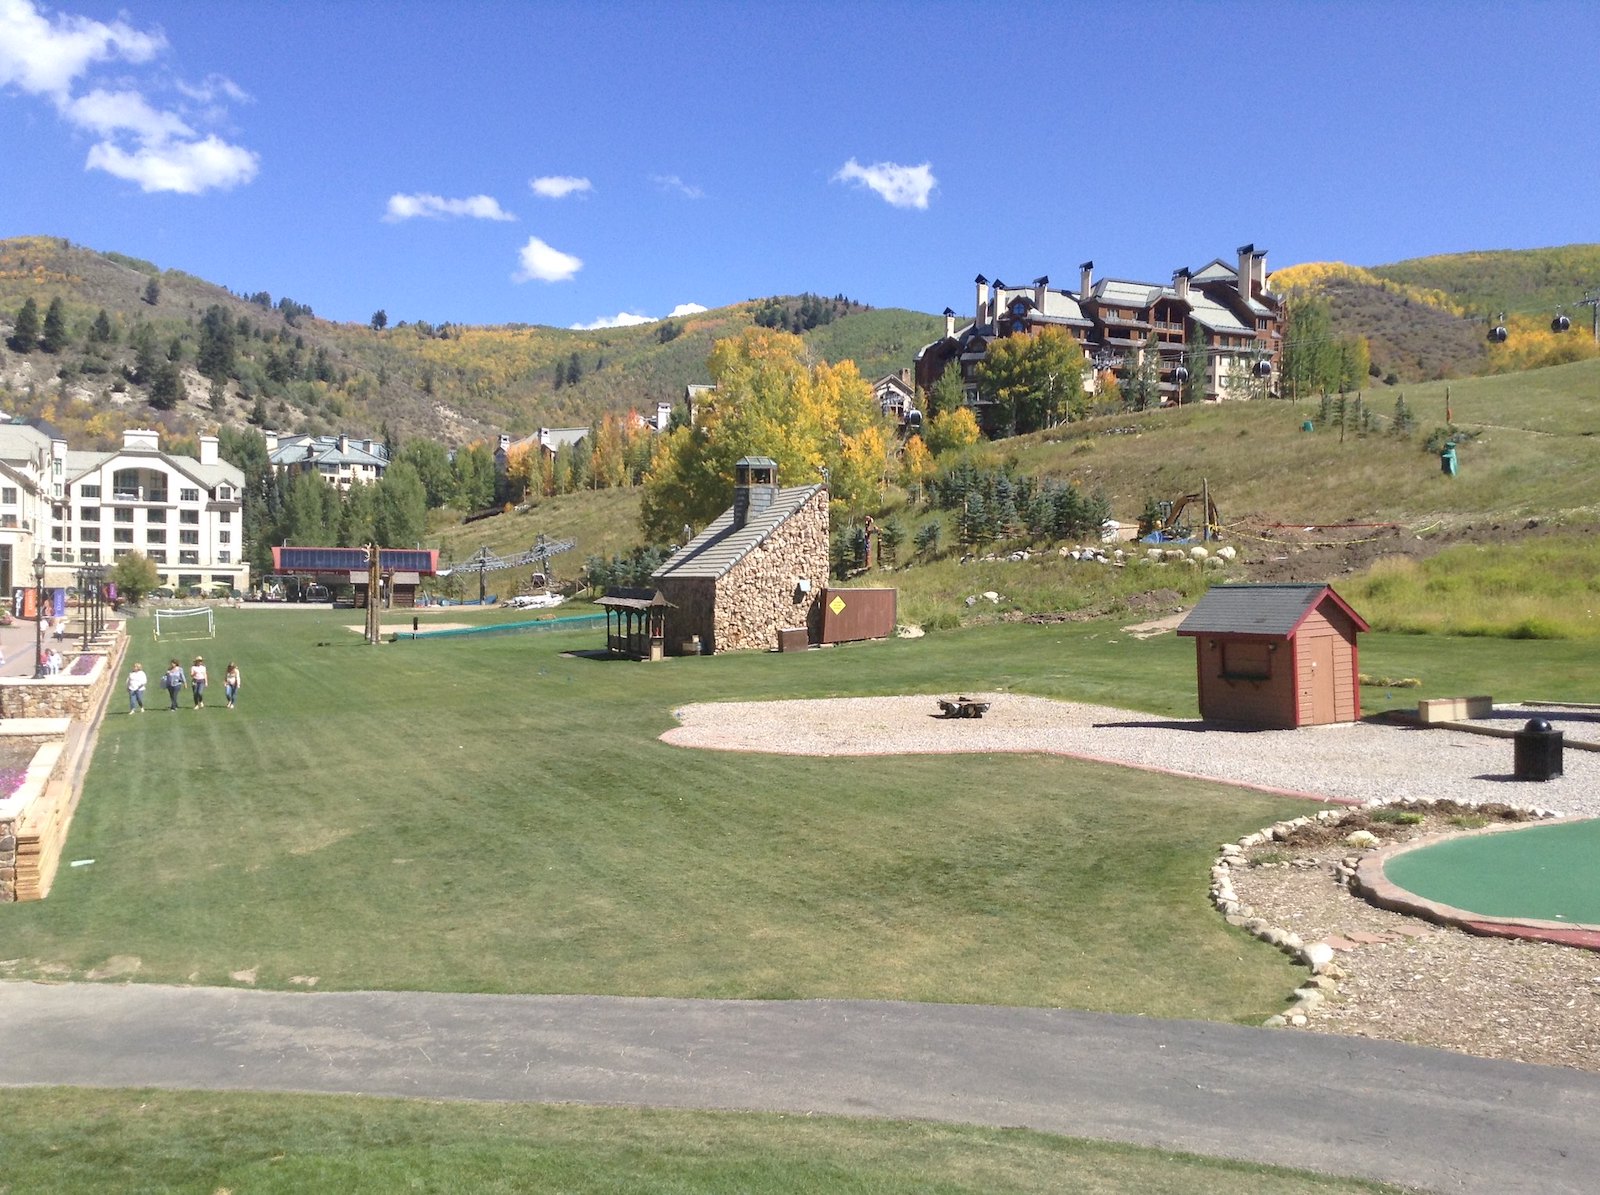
(140, 494)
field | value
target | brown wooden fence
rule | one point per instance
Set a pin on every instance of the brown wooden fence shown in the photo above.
(852, 614)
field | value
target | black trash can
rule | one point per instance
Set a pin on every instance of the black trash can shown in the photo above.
(1537, 751)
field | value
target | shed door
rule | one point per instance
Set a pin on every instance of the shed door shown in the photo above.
(1316, 684)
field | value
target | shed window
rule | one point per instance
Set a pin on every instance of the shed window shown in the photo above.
(1243, 660)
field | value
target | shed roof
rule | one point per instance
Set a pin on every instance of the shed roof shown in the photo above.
(719, 547)
(620, 597)
(1261, 609)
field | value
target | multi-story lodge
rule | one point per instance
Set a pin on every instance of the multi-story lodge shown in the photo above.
(339, 460)
(82, 508)
(1236, 316)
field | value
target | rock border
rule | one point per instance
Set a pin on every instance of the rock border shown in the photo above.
(1317, 957)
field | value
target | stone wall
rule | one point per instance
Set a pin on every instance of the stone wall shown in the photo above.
(759, 595)
(60, 696)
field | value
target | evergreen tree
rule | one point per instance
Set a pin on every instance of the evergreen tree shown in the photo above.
(574, 370)
(166, 386)
(175, 350)
(948, 394)
(402, 507)
(258, 413)
(216, 356)
(152, 292)
(54, 337)
(101, 332)
(25, 335)
(1404, 420)
(380, 320)
(1195, 360)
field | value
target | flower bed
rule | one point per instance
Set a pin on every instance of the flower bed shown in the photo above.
(83, 665)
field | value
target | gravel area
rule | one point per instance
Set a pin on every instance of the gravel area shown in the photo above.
(1400, 978)
(1356, 762)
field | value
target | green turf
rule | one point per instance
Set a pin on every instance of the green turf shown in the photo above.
(60, 1140)
(1546, 873)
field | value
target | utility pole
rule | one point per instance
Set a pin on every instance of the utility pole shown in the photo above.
(1592, 302)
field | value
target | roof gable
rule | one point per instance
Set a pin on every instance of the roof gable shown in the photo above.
(1276, 610)
(719, 547)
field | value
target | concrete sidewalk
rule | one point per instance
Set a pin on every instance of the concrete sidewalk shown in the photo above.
(1350, 1106)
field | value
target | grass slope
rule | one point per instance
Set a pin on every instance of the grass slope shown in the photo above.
(1531, 281)
(109, 1141)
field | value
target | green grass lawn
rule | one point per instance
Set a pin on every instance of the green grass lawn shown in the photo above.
(62, 1140)
(490, 815)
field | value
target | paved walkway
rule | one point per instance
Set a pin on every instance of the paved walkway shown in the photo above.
(1373, 1109)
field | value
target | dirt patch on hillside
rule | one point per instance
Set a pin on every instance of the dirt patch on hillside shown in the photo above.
(1281, 554)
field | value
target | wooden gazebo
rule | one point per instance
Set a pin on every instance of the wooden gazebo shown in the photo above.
(636, 623)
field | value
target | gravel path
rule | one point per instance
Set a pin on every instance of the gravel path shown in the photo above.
(1358, 761)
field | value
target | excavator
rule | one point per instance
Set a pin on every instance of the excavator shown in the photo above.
(1173, 530)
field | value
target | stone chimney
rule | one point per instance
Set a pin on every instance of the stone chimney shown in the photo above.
(949, 324)
(1247, 255)
(1085, 279)
(755, 485)
(982, 305)
(1040, 285)
(1258, 271)
(1180, 282)
(208, 450)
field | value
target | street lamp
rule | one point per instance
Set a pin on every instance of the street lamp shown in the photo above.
(38, 615)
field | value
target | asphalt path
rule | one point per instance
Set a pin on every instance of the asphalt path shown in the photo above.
(1343, 1105)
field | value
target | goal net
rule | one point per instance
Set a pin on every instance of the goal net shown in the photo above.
(185, 624)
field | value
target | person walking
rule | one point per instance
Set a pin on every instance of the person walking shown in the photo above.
(172, 682)
(230, 683)
(197, 681)
(136, 683)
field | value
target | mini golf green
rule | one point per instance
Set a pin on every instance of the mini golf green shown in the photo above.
(1540, 873)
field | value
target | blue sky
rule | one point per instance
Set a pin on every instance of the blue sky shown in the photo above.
(570, 163)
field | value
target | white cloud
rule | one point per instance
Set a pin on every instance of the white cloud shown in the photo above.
(671, 182)
(45, 57)
(543, 264)
(900, 186)
(623, 319)
(629, 319)
(559, 186)
(437, 207)
(213, 89)
(141, 141)
(185, 167)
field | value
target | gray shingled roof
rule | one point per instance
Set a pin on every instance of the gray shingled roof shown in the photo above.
(719, 547)
(1258, 609)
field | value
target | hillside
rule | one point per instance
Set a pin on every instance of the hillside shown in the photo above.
(1530, 282)
(295, 372)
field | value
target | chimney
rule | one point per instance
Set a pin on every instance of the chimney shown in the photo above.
(1258, 271)
(1040, 285)
(505, 441)
(1247, 255)
(1180, 282)
(949, 324)
(755, 485)
(208, 450)
(344, 443)
(141, 438)
(271, 438)
(1086, 279)
(983, 290)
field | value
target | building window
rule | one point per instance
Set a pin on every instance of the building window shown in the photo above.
(90, 555)
(88, 491)
(222, 578)
(224, 537)
(156, 535)
(188, 495)
(224, 492)
(55, 533)
(89, 514)
(1244, 660)
(225, 557)
(188, 537)
(123, 535)
(224, 516)
(155, 516)
(8, 495)
(125, 485)
(189, 516)
(189, 558)
(122, 514)
(119, 553)
(185, 580)
(157, 556)
(89, 535)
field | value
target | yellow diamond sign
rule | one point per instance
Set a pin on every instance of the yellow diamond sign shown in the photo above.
(837, 605)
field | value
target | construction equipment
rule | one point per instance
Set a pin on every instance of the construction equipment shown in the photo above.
(1173, 530)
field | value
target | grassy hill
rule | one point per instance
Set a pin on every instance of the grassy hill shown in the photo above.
(1524, 281)
(449, 382)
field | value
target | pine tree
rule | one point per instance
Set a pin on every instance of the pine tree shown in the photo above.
(25, 335)
(166, 386)
(54, 336)
(152, 292)
(101, 332)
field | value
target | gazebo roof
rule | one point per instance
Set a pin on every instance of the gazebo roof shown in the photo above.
(622, 598)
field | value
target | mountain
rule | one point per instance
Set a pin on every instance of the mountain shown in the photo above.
(293, 371)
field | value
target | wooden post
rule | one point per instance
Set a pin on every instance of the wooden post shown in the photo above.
(374, 612)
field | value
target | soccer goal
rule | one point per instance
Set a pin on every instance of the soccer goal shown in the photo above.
(197, 623)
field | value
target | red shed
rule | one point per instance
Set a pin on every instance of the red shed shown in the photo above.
(1276, 655)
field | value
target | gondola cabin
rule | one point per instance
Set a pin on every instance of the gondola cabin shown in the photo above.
(1276, 656)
